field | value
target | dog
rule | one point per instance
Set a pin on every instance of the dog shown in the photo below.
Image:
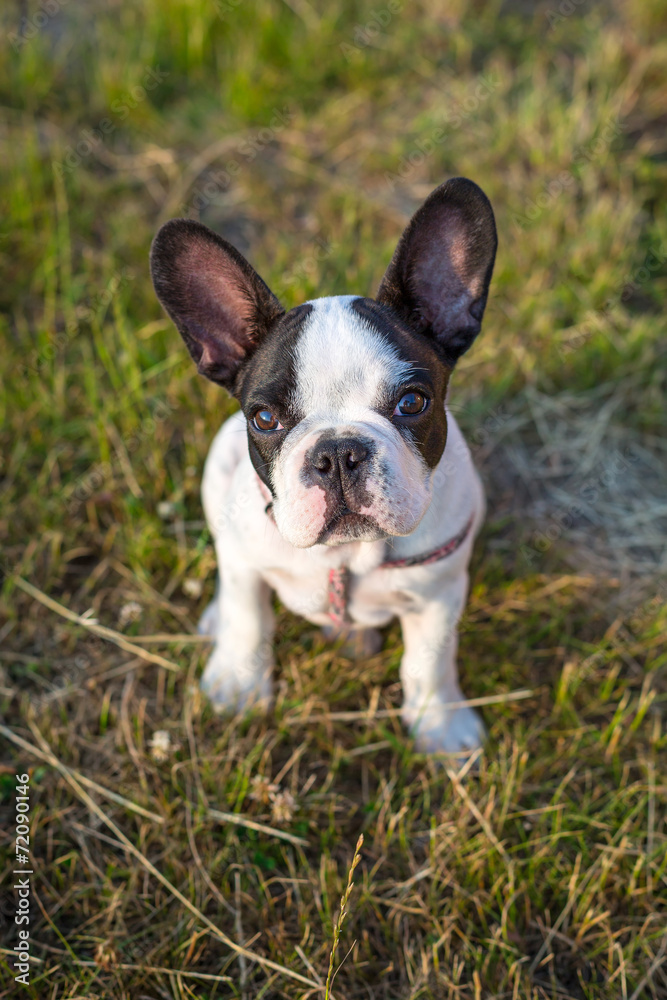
(343, 483)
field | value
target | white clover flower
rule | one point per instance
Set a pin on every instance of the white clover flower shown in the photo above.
(130, 612)
(161, 747)
(192, 587)
(263, 790)
(166, 510)
(283, 806)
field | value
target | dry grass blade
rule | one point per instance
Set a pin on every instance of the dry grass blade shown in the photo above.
(197, 164)
(341, 917)
(101, 630)
(657, 962)
(460, 790)
(176, 637)
(394, 713)
(99, 812)
(191, 973)
(565, 912)
(106, 792)
(200, 864)
(250, 824)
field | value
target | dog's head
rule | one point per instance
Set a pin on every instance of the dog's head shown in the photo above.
(344, 397)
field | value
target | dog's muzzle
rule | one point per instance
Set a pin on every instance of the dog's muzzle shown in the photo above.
(341, 466)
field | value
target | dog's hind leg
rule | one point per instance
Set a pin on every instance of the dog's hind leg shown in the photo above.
(358, 643)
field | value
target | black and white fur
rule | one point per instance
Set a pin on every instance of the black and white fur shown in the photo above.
(344, 478)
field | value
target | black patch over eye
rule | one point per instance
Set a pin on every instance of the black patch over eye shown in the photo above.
(410, 404)
(266, 420)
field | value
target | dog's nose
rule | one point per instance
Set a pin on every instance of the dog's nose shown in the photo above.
(335, 457)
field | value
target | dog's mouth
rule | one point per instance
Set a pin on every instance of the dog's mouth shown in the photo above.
(349, 526)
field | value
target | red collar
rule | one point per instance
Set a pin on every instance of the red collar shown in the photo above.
(430, 557)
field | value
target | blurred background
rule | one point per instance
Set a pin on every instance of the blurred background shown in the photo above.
(306, 134)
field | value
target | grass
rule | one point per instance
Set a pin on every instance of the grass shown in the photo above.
(307, 137)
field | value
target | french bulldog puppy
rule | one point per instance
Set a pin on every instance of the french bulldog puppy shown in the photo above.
(343, 484)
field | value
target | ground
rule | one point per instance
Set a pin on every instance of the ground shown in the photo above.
(307, 136)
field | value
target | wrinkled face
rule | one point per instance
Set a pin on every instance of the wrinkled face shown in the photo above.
(346, 421)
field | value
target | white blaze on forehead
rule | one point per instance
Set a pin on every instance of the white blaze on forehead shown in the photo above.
(342, 363)
(343, 368)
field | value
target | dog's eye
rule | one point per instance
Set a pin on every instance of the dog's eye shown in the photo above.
(265, 420)
(411, 403)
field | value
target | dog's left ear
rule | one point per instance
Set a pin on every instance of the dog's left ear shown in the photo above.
(438, 279)
(219, 303)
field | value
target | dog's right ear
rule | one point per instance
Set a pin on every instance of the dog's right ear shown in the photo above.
(219, 303)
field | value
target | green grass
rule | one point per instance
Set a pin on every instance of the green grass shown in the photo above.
(544, 875)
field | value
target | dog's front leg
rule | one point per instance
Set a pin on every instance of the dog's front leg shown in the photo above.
(430, 678)
(238, 673)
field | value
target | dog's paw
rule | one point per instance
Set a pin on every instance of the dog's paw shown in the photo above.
(236, 686)
(441, 730)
